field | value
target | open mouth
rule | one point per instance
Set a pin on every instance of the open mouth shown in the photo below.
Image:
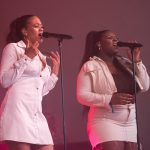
(40, 35)
(115, 45)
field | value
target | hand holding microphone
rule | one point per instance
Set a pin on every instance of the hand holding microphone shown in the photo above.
(133, 46)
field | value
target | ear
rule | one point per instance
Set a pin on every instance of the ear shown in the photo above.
(98, 44)
(24, 32)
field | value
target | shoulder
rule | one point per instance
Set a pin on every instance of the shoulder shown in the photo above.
(10, 47)
(93, 64)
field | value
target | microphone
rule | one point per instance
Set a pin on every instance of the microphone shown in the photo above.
(56, 35)
(127, 44)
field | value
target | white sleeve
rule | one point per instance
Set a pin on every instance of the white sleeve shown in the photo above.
(50, 83)
(11, 68)
(86, 95)
(142, 75)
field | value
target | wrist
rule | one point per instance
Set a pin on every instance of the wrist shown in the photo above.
(137, 61)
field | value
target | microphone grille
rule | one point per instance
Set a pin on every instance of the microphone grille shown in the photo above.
(45, 34)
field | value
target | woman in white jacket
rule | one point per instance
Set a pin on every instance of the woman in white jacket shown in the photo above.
(105, 84)
(27, 77)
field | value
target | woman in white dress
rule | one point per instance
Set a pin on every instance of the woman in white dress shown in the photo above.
(27, 77)
(105, 84)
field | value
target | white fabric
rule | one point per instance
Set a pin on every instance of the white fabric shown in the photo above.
(95, 87)
(21, 117)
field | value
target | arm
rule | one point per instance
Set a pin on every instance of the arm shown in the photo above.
(85, 93)
(142, 75)
(11, 68)
(140, 69)
(51, 82)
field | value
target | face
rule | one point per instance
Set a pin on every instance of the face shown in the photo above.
(34, 29)
(108, 43)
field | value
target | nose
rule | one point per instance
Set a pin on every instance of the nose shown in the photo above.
(41, 29)
(115, 40)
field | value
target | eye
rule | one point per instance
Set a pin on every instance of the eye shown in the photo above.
(38, 26)
(112, 38)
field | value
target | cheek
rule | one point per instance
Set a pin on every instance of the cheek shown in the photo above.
(33, 33)
(106, 44)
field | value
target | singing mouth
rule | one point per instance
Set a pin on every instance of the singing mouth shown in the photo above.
(40, 34)
(115, 45)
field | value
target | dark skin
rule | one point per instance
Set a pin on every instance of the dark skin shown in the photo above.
(108, 44)
(108, 50)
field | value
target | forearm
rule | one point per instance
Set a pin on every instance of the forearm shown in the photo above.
(49, 84)
(86, 94)
(93, 99)
(142, 75)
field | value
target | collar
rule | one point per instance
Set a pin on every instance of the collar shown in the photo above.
(21, 44)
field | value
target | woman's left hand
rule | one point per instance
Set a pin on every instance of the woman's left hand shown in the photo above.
(136, 54)
(55, 59)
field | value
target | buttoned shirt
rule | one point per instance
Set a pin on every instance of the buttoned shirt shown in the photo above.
(21, 117)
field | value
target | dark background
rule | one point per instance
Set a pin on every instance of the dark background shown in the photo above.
(129, 19)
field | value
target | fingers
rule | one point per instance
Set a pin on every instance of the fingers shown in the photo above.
(54, 56)
(127, 98)
(123, 98)
(136, 54)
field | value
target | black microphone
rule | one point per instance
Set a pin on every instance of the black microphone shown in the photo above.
(56, 35)
(127, 44)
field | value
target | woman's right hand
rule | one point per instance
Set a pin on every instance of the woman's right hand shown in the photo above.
(31, 49)
(55, 59)
(122, 99)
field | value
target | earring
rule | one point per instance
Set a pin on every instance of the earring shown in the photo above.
(25, 35)
(99, 46)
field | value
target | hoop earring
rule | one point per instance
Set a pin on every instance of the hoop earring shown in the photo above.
(25, 37)
(99, 46)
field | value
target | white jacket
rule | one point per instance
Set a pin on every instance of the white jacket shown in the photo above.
(95, 84)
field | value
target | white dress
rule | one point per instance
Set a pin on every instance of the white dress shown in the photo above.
(21, 117)
(95, 87)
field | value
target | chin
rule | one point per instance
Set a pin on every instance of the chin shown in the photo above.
(41, 40)
(115, 53)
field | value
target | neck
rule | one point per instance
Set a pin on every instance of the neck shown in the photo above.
(29, 42)
(107, 58)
